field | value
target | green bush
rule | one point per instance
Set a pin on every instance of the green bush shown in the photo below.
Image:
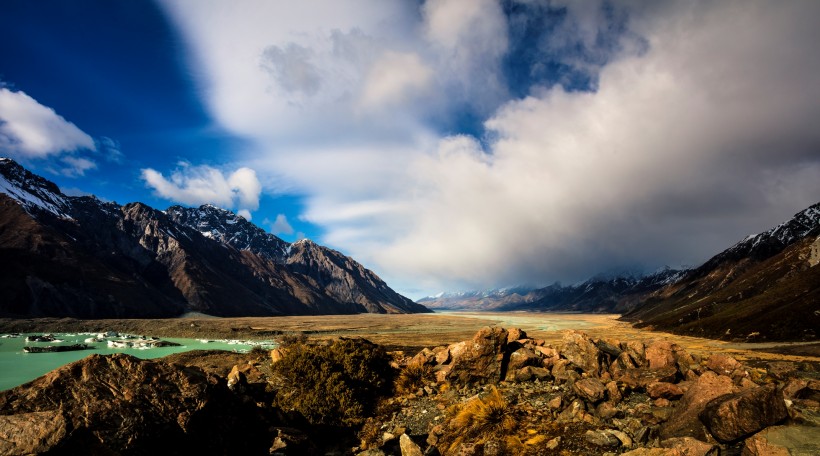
(335, 384)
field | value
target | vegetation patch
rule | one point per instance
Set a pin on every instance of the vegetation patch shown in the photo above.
(336, 384)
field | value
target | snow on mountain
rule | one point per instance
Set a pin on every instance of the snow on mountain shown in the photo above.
(231, 229)
(31, 191)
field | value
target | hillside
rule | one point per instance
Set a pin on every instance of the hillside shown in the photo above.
(82, 257)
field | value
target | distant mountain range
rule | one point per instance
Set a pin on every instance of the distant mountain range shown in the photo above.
(82, 257)
(765, 287)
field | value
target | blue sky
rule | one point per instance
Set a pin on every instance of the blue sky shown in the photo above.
(445, 144)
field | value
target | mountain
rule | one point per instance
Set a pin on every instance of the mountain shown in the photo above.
(766, 286)
(82, 257)
(600, 294)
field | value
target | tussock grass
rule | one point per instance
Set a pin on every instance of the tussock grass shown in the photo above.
(482, 420)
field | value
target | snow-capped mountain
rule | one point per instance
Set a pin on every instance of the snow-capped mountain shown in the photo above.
(232, 229)
(82, 257)
(767, 286)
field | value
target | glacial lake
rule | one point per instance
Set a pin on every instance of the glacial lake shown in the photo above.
(18, 367)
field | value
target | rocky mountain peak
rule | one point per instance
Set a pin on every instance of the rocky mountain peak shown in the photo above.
(231, 229)
(33, 192)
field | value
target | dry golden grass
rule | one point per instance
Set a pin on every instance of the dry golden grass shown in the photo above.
(482, 420)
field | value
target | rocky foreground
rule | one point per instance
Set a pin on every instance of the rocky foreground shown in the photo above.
(499, 393)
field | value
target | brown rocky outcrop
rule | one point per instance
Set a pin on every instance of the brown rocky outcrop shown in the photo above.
(581, 351)
(119, 404)
(479, 360)
(734, 416)
(590, 389)
(684, 421)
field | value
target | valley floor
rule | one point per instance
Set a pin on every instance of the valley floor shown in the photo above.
(412, 332)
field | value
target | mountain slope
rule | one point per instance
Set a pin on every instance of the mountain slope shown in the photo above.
(766, 286)
(81, 257)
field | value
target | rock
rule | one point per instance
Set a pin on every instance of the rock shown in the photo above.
(664, 390)
(291, 441)
(723, 365)
(622, 363)
(277, 354)
(553, 444)
(442, 355)
(625, 439)
(613, 393)
(640, 378)
(547, 352)
(781, 369)
(653, 452)
(408, 446)
(371, 452)
(590, 389)
(684, 421)
(734, 416)
(581, 351)
(691, 447)
(236, 378)
(116, 402)
(422, 358)
(602, 439)
(479, 361)
(515, 334)
(606, 411)
(555, 403)
(785, 441)
(522, 357)
(30, 433)
(528, 373)
(561, 370)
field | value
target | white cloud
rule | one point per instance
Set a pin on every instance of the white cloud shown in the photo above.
(280, 225)
(76, 166)
(393, 78)
(195, 185)
(30, 130)
(245, 213)
(704, 134)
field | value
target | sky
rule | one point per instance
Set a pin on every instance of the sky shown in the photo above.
(445, 144)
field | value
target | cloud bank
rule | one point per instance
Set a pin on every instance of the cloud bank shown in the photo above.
(31, 131)
(465, 144)
(196, 185)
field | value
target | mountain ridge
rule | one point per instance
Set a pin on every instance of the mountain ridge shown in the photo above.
(149, 263)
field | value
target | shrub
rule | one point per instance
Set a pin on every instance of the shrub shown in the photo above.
(481, 420)
(413, 377)
(335, 384)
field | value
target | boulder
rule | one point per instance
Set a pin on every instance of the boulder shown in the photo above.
(277, 354)
(515, 334)
(734, 416)
(581, 351)
(784, 441)
(590, 389)
(602, 439)
(664, 390)
(691, 447)
(31, 433)
(523, 357)
(653, 452)
(684, 421)
(408, 446)
(640, 378)
(664, 353)
(117, 404)
(724, 365)
(613, 393)
(528, 373)
(480, 360)
(636, 351)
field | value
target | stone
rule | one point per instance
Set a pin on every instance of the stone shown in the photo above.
(31, 433)
(561, 370)
(689, 446)
(734, 416)
(371, 452)
(442, 355)
(784, 441)
(528, 373)
(116, 402)
(684, 421)
(277, 354)
(515, 334)
(581, 351)
(636, 351)
(640, 378)
(664, 390)
(522, 357)
(606, 411)
(408, 446)
(781, 369)
(236, 378)
(602, 439)
(553, 443)
(547, 352)
(622, 363)
(653, 452)
(422, 358)
(479, 360)
(625, 439)
(613, 393)
(555, 403)
(723, 364)
(590, 389)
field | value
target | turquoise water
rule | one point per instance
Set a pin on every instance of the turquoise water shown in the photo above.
(18, 367)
